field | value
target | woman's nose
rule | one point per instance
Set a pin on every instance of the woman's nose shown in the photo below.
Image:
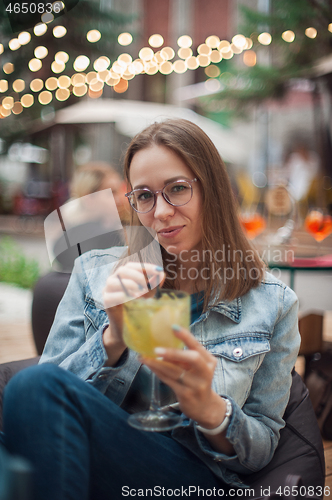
(162, 208)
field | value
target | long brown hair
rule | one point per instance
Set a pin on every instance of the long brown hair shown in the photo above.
(240, 267)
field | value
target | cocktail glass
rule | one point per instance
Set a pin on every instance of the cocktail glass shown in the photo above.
(318, 224)
(147, 325)
(253, 223)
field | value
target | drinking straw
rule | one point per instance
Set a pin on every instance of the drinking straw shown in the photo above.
(124, 288)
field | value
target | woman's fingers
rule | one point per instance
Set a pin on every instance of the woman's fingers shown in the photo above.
(190, 341)
(131, 280)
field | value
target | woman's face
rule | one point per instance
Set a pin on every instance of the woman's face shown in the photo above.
(178, 228)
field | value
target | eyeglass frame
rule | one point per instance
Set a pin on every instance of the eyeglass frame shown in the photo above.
(155, 193)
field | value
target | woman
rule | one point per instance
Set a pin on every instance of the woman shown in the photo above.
(232, 382)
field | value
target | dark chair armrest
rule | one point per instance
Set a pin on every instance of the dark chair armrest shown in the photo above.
(8, 370)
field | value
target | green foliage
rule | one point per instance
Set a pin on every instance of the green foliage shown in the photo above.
(15, 267)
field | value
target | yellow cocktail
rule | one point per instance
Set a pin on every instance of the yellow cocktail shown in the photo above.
(148, 322)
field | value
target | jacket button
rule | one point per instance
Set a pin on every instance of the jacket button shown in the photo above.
(237, 352)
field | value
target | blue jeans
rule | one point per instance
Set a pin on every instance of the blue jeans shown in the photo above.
(81, 446)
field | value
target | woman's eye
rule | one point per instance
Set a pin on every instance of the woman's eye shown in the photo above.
(146, 195)
(178, 188)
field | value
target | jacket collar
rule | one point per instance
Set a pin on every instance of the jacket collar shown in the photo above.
(230, 309)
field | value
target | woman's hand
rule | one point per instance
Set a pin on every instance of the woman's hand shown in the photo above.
(127, 280)
(189, 373)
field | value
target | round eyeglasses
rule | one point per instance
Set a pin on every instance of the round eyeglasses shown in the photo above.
(176, 193)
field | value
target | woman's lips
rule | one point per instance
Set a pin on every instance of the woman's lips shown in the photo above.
(170, 232)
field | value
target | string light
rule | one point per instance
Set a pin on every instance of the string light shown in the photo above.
(224, 46)
(18, 85)
(212, 41)
(40, 52)
(51, 83)
(228, 54)
(204, 49)
(58, 6)
(8, 102)
(59, 31)
(61, 57)
(81, 63)
(24, 37)
(58, 67)
(179, 66)
(126, 58)
(215, 56)
(93, 36)
(35, 64)
(78, 79)
(156, 41)
(125, 69)
(3, 85)
(36, 85)
(62, 94)
(185, 41)
(114, 79)
(125, 39)
(192, 63)
(45, 97)
(288, 36)
(212, 71)
(166, 68)
(249, 58)
(128, 75)
(185, 52)
(80, 90)
(47, 17)
(101, 63)
(249, 44)
(203, 60)
(8, 68)
(311, 32)
(150, 69)
(4, 112)
(235, 49)
(168, 53)
(64, 82)
(264, 38)
(14, 44)
(27, 100)
(17, 108)
(138, 66)
(40, 29)
(239, 41)
(146, 54)
(121, 87)
(92, 75)
(95, 95)
(96, 86)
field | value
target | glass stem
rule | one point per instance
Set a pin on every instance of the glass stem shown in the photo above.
(155, 401)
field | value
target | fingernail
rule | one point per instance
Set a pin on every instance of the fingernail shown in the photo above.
(177, 328)
(140, 287)
(160, 351)
(159, 269)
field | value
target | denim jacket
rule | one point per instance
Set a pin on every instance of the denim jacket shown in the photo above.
(255, 339)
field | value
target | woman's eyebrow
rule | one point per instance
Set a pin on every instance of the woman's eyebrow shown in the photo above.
(166, 181)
